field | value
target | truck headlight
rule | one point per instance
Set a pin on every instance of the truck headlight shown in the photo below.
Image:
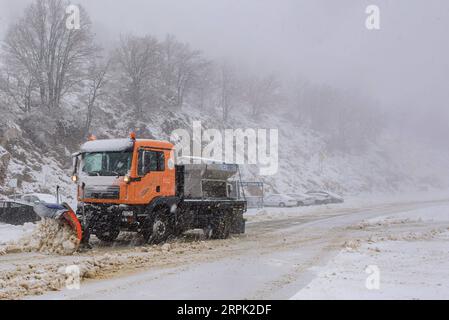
(75, 178)
(127, 179)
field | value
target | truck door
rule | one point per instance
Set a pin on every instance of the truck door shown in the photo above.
(151, 167)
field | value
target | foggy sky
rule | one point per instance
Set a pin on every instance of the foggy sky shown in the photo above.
(404, 65)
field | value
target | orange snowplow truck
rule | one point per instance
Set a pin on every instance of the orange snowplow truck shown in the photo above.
(134, 185)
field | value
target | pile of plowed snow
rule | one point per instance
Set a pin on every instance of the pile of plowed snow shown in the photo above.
(50, 236)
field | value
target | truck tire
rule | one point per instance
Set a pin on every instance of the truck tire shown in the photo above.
(161, 227)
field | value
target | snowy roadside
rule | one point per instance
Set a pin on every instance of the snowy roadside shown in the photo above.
(351, 203)
(10, 233)
(393, 257)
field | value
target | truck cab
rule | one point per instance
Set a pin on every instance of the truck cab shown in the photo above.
(124, 171)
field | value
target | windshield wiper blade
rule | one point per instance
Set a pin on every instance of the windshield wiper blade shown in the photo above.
(116, 173)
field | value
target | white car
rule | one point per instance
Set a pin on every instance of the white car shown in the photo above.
(279, 200)
(36, 198)
(303, 199)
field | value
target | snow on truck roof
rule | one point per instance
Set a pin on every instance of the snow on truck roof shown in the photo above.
(107, 145)
(111, 145)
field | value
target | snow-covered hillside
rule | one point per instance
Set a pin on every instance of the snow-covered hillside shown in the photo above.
(35, 169)
(305, 160)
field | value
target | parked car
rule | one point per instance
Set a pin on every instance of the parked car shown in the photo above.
(324, 197)
(279, 200)
(336, 198)
(17, 213)
(36, 198)
(303, 199)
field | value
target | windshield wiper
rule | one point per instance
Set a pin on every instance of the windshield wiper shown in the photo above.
(116, 173)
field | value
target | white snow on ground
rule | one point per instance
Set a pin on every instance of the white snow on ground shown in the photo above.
(322, 250)
(10, 233)
(411, 264)
(432, 214)
(372, 199)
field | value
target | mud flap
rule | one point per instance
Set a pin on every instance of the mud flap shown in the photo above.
(238, 226)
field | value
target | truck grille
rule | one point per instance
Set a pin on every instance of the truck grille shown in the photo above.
(102, 192)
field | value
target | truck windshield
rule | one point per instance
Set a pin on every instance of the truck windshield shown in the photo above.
(107, 163)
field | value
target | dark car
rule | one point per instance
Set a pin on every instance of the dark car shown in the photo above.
(17, 213)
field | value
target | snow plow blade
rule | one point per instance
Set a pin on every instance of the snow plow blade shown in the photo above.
(63, 213)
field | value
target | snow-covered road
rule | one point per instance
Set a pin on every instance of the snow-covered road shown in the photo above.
(319, 252)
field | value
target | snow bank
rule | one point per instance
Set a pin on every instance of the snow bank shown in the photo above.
(407, 269)
(439, 213)
(408, 250)
(9, 233)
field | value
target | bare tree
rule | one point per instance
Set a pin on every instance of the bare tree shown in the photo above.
(96, 81)
(54, 57)
(19, 89)
(229, 90)
(138, 61)
(203, 84)
(262, 93)
(297, 92)
(181, 66)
